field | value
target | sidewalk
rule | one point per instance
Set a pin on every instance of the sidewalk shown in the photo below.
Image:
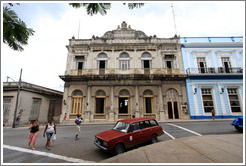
(198, 149)
(112, 123)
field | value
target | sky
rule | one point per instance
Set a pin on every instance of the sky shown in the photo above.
(44, 58)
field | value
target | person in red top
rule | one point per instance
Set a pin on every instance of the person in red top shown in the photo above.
(65, 118)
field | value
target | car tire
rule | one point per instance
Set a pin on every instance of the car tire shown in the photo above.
(154, 139)
(119, 149)
(239, 129)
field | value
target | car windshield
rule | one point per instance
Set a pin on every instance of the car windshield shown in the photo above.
(121, 126)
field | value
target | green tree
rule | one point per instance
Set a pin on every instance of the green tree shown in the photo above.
(15, 32)
(94, 8)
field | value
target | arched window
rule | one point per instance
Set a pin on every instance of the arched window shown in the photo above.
(146, 60)
(100, 93)
(77, 93)
(124, 93)
(102, 60)
(124, 61)
(147, 92)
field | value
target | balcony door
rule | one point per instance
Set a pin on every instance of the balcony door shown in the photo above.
(146, 61)
(102, 59)
(201, 64)
(226, 64)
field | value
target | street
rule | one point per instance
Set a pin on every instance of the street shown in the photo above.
(84, 148)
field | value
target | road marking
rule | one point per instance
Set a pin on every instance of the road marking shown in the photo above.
(51, 155)
(193, 132)
(168, 134)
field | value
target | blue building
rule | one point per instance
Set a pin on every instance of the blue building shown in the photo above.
(215, 76)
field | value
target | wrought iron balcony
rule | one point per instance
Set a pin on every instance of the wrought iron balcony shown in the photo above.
(212, 70)
(124, 71)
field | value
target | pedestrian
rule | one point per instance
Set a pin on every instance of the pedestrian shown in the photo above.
(50, 129)
(18, 120)
(34, 128)
(213, 114)
(78, 122)
(65, 118)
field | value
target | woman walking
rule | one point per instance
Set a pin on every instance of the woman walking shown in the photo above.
(49, 130)
(34, 128)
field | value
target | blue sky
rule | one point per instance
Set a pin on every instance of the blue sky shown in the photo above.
(44, 59)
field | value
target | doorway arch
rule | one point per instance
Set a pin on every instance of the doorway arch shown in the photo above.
(172, 104)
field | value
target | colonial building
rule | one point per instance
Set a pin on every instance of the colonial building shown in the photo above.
(34, 102)
(124, 73)
(215, 69)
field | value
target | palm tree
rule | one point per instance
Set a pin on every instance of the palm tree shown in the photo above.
(15, 32)
(94, 8)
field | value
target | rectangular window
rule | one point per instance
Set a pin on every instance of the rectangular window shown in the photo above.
(6, 108)
(34, 114)
(201, 64)
(80, 65)
(207, 100)
(169, 64)
(234, 101)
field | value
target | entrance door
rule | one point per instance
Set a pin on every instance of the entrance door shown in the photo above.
(148, 105)
(170, 110)
(51, 113)
(123, 105)
(100, 105)
(173, 111)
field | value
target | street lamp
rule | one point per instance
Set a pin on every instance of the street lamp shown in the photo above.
(17, 99)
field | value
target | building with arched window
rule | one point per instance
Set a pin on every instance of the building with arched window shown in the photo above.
(124, 73)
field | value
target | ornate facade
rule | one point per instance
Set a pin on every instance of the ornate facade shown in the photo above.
(124, 73)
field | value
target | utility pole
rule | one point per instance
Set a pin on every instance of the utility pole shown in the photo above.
(17, 100)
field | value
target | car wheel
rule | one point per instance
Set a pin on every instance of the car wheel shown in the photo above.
(239, 129)
(119, 148)
(154, 139)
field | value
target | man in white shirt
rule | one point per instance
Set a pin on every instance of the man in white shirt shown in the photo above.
(78, 122)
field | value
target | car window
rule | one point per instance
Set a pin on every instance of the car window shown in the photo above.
(121, 126)
(153, 123)
(144, 124)
(134, 127)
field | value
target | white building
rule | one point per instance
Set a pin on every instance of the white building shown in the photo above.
(124, 73)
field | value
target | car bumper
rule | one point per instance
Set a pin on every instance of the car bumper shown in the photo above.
(99, 146)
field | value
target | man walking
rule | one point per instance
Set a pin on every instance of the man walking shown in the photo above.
(78, 122)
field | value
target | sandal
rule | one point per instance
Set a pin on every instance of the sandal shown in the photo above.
(33, 148)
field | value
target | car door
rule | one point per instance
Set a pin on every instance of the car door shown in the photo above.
(135, 134)
(146, 131)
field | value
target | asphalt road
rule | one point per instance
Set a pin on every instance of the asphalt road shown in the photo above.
(84, 148)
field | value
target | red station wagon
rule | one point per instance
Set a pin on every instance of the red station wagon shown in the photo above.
(128, 133)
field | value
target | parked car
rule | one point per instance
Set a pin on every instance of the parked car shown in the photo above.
(238, 123)
(128, 133)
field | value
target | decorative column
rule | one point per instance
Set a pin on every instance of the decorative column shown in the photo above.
(161, 110)
(88, 103)
(111, 112)
(137, 112)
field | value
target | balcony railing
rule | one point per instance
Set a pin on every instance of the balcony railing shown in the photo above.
(212, 70)
(129, 71)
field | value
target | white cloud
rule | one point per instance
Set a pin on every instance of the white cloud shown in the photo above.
(44, 59)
